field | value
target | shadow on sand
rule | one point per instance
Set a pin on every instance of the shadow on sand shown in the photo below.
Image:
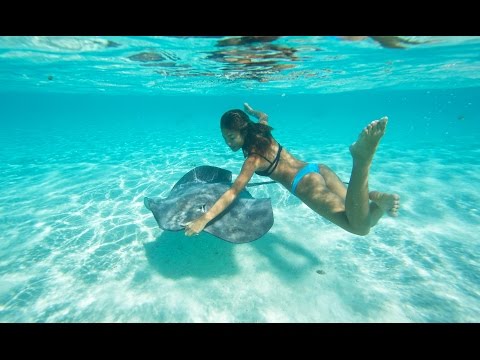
(175, 256)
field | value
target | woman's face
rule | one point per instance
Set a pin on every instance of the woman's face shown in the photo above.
(233, 139)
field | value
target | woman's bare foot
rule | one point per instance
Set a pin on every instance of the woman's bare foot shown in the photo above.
(366, 145)
(388, 202)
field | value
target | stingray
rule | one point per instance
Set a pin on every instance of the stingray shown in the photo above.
(246, 219)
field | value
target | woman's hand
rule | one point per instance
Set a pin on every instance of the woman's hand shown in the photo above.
(248, 109)
(261, 116)
(195, 227)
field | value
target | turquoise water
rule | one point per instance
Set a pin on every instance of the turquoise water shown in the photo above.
(89, 126)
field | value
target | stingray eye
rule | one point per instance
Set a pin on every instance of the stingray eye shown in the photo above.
(203, 208)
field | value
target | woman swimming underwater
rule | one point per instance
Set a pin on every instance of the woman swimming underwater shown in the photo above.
(354, 209)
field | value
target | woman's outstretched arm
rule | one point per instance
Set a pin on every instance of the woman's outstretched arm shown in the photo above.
(261, 116)
(196, 226)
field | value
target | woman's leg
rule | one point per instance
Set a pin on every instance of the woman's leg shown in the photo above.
(350, 208)
(380, 202)
(357, 204)
(333, 182)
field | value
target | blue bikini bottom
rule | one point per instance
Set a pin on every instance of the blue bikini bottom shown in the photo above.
(302, 172)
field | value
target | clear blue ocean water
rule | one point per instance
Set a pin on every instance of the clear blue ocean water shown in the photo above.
(89, 126)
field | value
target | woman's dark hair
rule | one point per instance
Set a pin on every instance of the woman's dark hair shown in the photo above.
(257, 136)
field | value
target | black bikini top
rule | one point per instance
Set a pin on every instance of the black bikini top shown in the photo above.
(273, 164)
